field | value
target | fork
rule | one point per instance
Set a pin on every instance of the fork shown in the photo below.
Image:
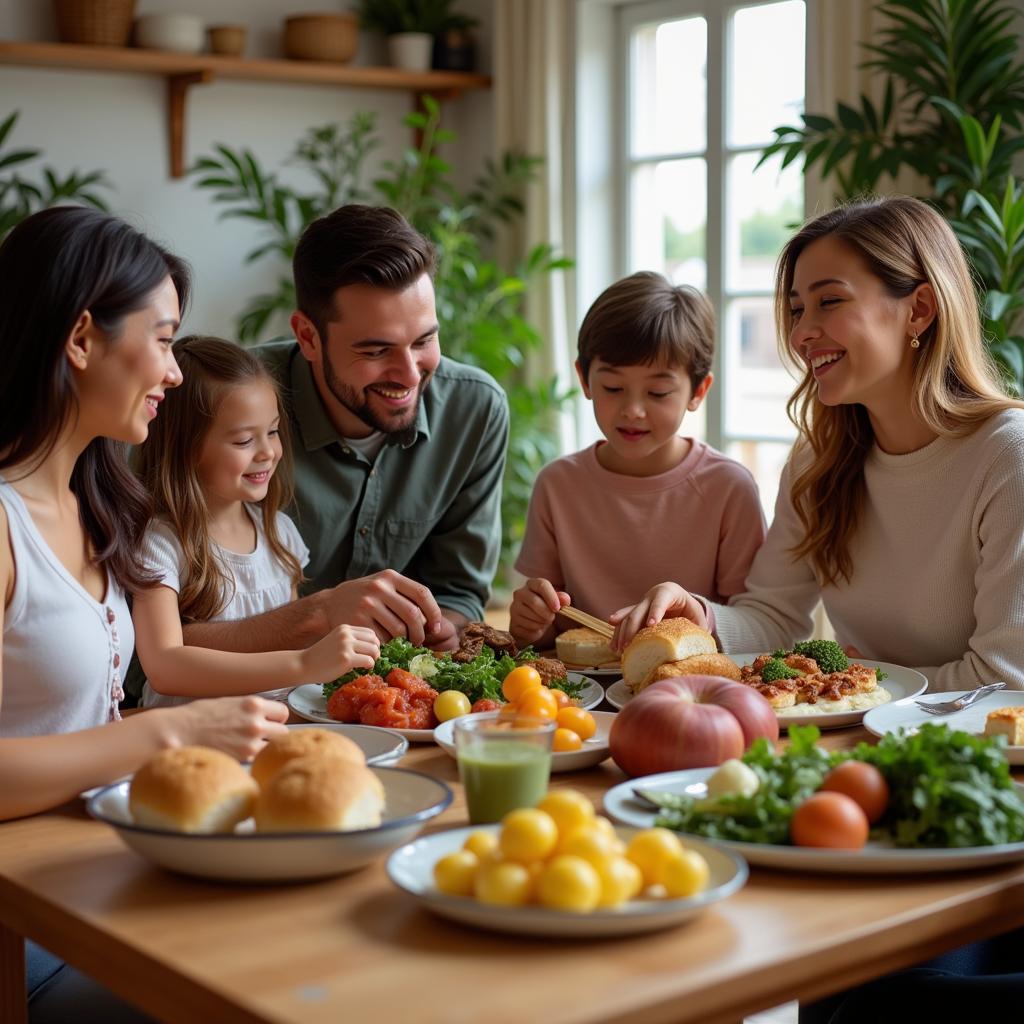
(949, 707)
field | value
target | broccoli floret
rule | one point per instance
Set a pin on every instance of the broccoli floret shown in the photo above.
(777, 669)
(827, 653)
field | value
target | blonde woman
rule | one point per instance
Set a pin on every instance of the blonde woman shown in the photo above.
(900, 507)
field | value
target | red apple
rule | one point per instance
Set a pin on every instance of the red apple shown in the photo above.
(689, 722)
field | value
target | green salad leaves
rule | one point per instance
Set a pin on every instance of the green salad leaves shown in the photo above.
(948, 789)
(478, 679)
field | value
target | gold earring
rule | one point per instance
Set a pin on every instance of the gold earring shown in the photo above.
(914, 343)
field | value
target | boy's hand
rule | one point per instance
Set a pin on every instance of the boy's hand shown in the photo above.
(534, 606)
(665, 601)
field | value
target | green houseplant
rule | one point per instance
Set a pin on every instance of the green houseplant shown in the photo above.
(953, 111)
(478, 301)
(20, 197)
(412, 27)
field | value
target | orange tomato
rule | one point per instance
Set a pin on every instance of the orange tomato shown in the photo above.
(579, 720)
(565, 739)
(509, 710)
(539, 702)
(519, 681)
(862, 783)
(563, 699)
(831, 820)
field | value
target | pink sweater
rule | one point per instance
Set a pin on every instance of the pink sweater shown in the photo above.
(606, 538)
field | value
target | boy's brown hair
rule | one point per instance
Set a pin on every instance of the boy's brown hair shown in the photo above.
(645, 319)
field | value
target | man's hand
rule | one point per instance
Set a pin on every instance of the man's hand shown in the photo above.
(444, 639)
(390, 604)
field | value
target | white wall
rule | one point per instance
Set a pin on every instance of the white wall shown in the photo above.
(118, 123)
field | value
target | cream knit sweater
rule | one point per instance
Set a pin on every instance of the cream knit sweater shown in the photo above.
(938, 560)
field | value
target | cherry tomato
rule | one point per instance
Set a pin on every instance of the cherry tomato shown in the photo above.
(504, 882)
(562, 699)
(569, 883)
(565, 741)
(650, 849)
(863, 783)
(519, 680)
(830, 820)
(527, 834)
(579, 720)
(685, 874)
(569, 808)
(538, 703)
(485, 704)
(455, 873)
(450, 704)
(621, 880)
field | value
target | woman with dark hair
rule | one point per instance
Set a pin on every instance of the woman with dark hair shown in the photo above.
(88, 310)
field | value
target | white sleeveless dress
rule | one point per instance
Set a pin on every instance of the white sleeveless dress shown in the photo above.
(63, 651)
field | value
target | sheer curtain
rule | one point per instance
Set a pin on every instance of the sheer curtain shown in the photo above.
(534, 64)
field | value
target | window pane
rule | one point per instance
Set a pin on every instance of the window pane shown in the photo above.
(766, 72)
(669, 220)
(669, 87)
(763, 207)
(757, 386)
(765, 460)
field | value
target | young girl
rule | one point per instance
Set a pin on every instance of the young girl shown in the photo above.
(217, 466)
(900, 507)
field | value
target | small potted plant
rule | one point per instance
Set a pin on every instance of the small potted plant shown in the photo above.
(411, 27)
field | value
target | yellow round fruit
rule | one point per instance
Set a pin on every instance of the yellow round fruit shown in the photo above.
(579, 720)
(503, 882)
(589, 843)
(519, 680)
(562, 699)
(569, 883)
(685, 874)
(565, 741)
(649, 850)
(455, 873)
(527, 834)
(483, 844)
(621, 880)
(450, 704)
(538, 703)
(605, 826)
(570, 809)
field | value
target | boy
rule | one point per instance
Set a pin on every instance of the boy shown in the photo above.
(645, 504)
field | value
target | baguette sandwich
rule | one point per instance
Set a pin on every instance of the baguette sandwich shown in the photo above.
(670, 641)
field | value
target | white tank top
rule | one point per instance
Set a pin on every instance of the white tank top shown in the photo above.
(63, 650)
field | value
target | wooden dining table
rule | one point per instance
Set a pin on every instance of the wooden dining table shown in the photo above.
(355, 948)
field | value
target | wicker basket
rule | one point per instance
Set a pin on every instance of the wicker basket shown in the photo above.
(95, 22)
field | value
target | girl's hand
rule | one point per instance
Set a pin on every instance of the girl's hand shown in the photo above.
(239, 726)
(343, 649)
(665, 601)
(533, 610)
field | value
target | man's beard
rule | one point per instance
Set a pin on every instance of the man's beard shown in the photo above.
(357, 404)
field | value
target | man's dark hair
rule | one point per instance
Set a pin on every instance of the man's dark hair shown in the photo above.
(355, 244)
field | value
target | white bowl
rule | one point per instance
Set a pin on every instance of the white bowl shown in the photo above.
(410, 799)
(181, 33)
(379, 746)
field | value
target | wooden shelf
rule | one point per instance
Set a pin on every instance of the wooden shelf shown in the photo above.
(183, 70)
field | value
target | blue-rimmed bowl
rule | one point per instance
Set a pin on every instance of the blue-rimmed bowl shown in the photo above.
(410, 800)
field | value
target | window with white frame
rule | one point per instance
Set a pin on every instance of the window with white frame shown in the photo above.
(703, 83)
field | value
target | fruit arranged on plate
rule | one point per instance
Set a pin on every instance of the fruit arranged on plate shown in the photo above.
(526, 695)
(563, 856)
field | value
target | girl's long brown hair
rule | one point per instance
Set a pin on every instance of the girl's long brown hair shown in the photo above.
(904, 243)
(167, 466)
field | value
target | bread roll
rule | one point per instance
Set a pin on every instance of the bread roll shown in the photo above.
(669, 640)
(584, 647)
(695, 665)
(320, 795)
(303, 743)
(1008, 722)
(191, 789)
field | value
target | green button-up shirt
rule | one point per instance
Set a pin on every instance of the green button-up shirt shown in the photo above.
(429, 509)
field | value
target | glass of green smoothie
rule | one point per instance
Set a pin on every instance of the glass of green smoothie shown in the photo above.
(504, 762)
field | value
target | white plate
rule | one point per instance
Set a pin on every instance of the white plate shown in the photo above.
(308, 702)
(612, 671)
(905, 714)
(410, 799)
(622, 804)
(902, 682)
(411, 868)
(593, 751)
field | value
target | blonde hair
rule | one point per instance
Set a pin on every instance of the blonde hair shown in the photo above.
(167, 463)
(956, 385)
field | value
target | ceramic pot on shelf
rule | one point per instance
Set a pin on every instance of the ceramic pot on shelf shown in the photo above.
(94, 22)
(411, 51)
(227, 40)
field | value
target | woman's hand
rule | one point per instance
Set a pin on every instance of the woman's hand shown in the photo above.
(666, 600)
(343, 649)
(534, 606)
(239, 726)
